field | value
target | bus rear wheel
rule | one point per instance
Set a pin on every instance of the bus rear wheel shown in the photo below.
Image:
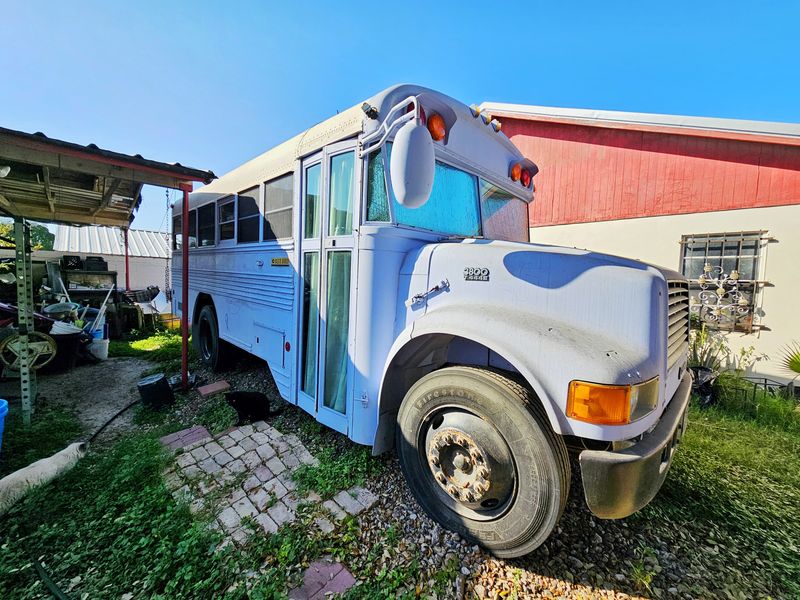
(213, 351)
(481, 459)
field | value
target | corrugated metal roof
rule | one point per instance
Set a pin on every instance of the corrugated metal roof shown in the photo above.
(729, 127)
(119, 158)
(109, 240)
(56, 181)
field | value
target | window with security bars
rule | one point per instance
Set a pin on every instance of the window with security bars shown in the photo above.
(723, 273)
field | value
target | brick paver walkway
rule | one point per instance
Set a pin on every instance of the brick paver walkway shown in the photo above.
(322, 579)
(246, 472)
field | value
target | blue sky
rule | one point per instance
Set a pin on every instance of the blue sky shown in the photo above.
(212, 84)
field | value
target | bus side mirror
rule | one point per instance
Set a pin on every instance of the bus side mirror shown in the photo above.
(412, 165)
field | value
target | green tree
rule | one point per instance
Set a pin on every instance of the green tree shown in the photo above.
(41, 238)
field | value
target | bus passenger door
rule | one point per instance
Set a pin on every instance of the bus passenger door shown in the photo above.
(329, 200)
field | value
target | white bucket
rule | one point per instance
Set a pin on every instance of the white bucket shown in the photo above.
(99, 348)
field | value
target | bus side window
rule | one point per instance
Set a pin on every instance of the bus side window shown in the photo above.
(226, 209)
(278, 208)
(206, 225)
(193, 229)
(177, 237)
(247, 216)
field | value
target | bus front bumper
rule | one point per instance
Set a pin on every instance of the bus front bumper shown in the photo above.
(618, 483)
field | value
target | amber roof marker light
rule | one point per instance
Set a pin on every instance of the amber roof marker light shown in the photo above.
(436, 127)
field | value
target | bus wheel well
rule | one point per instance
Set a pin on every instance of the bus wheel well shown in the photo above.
(424, 355)
(203, 299)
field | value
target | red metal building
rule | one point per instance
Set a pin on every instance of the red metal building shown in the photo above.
(677, 191)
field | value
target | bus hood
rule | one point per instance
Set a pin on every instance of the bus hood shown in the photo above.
(556, 314)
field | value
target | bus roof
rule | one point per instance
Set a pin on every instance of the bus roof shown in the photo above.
(281, 159)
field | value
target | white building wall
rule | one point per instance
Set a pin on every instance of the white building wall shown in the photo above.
(144, 270)
(657, 240)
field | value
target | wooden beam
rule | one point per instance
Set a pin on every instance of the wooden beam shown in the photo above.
(66, 216)
(107, 194)
(11, 149)
(5, 202)
(47, 191)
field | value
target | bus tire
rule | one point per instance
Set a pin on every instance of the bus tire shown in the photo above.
(481, 459)
(213, 351)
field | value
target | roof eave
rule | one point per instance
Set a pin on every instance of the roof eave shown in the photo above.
(610, 120)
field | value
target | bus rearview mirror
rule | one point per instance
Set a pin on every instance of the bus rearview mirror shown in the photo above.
(412, 165)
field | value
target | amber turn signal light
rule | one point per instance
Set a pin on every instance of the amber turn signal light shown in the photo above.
(436, 127)
(611, 404)
(516, 172)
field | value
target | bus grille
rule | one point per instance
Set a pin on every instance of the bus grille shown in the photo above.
(677, 321)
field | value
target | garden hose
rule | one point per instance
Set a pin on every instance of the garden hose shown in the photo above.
(107, 423)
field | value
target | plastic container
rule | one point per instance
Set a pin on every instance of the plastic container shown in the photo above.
(62, 328)
(88, 319)
(3, 413)
(156, 391)
(61, 310)
(99, 349)
(66, 353)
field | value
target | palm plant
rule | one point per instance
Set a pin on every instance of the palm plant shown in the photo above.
(790, 360)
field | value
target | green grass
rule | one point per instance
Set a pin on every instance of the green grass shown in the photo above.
(112, 522)
(743, 477)
(51, 430)
(739, 398)
(162, 347)
(337, 470)
(217, 415)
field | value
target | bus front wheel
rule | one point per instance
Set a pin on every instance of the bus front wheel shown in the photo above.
(481, 459)
(213, 351)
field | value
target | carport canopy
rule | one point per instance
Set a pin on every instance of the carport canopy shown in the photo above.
(55, 181)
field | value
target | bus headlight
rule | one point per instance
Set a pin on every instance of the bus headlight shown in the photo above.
(611, 404)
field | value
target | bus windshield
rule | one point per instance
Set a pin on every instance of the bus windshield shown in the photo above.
(452, 208)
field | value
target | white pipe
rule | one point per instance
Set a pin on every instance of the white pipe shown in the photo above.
(14, 487)
(102, 310)
(63, 287)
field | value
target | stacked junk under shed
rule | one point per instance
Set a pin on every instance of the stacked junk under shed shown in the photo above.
(79, 308)
(47, 180)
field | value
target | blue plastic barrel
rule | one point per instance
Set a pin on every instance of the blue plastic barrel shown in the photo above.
(3, 413)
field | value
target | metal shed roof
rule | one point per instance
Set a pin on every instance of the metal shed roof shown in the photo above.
(109, 240)
(766, 131)
(57, 181)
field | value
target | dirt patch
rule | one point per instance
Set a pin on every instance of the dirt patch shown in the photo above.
(93, 392)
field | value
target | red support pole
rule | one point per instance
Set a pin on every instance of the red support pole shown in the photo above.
(185, 289)
(127, 264)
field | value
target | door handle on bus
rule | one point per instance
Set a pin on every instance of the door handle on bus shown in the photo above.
(444, 284)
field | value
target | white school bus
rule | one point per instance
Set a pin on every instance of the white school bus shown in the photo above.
(380, 264)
